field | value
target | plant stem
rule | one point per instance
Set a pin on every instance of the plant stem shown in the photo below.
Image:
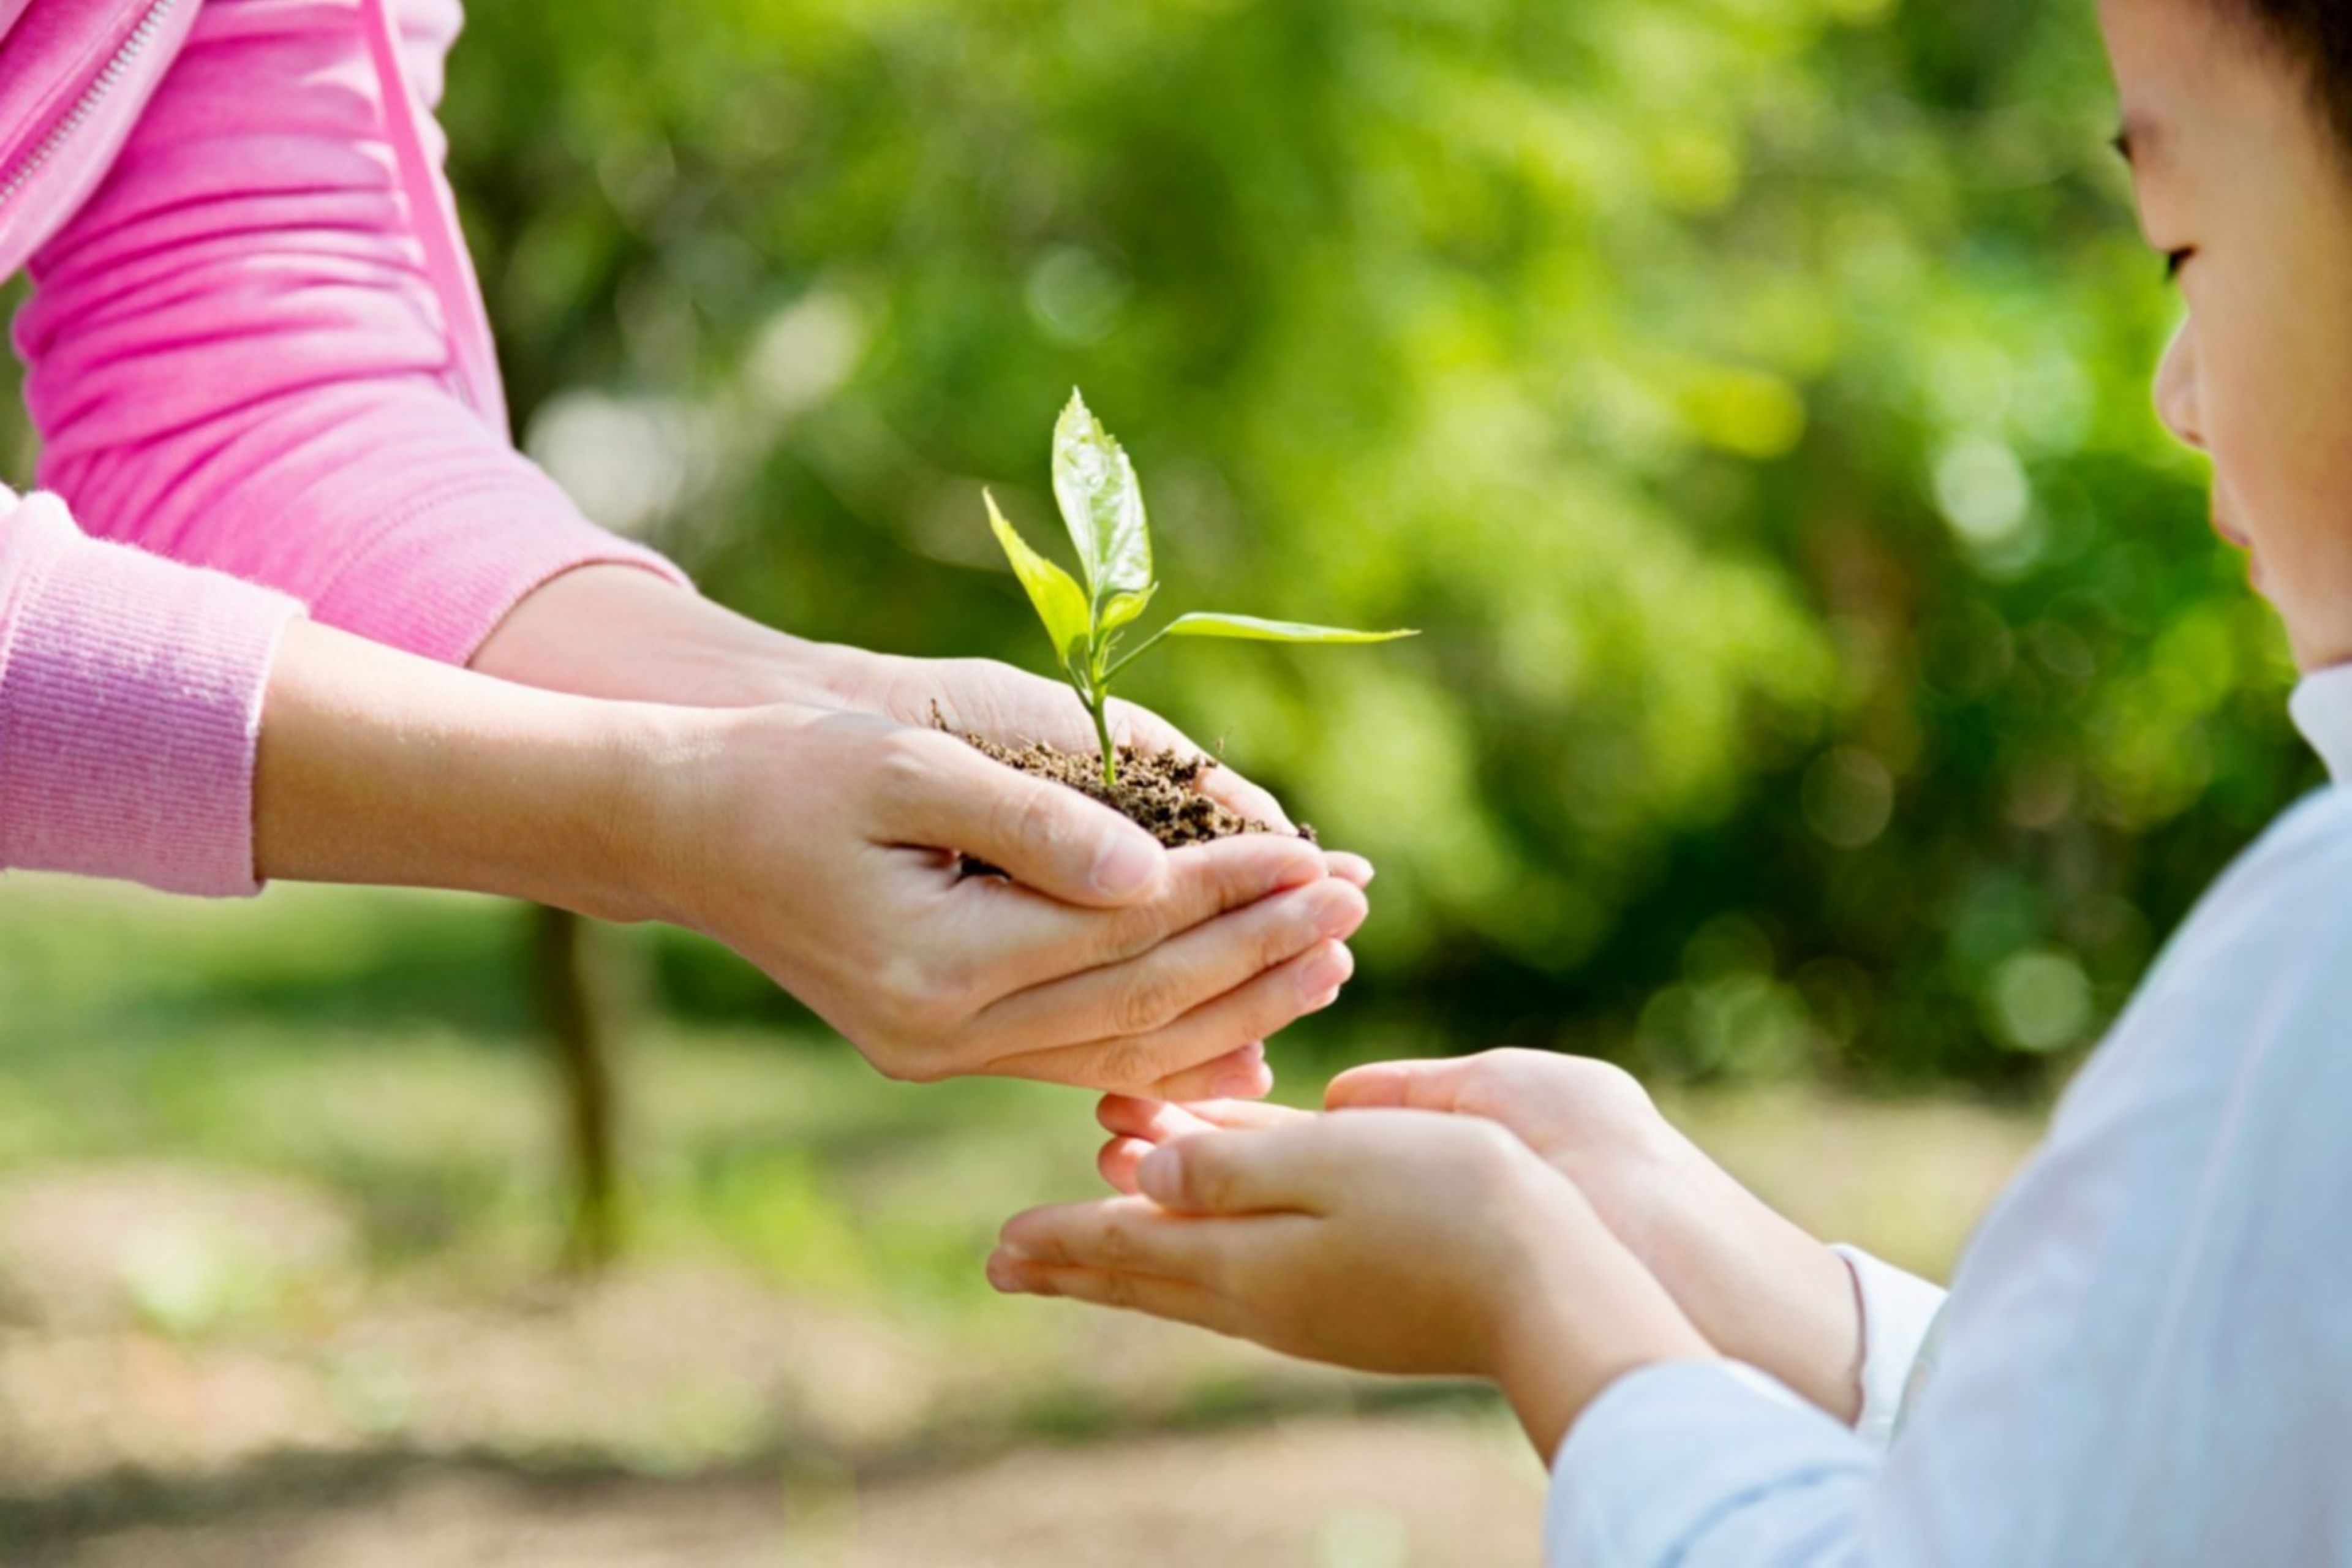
(1098, 704)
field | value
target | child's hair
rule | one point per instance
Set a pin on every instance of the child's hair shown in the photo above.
(2315, 35)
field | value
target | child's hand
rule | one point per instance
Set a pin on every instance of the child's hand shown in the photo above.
(1394, 1242)
(1757, 1285)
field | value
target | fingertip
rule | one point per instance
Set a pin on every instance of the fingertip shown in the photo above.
(1253, 1082)
(1119, 1161)
(1353, 869)
(1123, 1113)
(1271, 863)
(1239, 1074)
(1245, 1075)
(1377, 1084)
(1003, 1273)
(1322, 971)
(1345, 910)
(1127, 864)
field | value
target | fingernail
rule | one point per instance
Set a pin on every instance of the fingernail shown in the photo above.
(1337, 915)
(1320, 981)
(1003, 1274)
(1125, 868)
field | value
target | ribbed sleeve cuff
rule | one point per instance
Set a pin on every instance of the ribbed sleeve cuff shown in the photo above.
(437, 575)
(130, 693)
(1668, 1453)
(1897, 1309)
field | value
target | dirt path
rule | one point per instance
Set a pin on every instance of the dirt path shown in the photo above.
(1425, 1490)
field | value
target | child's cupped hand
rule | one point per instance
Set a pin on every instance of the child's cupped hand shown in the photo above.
(1397, 1241)
(1758, 1287)
(1591, 1121)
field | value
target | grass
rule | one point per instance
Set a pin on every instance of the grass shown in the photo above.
(806, 1237)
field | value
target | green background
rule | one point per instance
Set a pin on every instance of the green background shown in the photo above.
(1827, 666)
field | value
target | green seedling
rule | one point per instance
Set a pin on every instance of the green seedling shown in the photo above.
(1102, 504)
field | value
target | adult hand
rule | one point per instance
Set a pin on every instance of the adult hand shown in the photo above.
(1396, 1242)
(620, 632)
(1758, 1286)
(822, 845)
(784, 833)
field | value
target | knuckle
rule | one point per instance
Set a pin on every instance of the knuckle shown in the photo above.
(1126, 1064)
(1115, 1246)
(921, 1003)
(905, 765)
(1210, 1182)
(1031, 818)
(1281, 939)
(1131, 932)
(1151, 998)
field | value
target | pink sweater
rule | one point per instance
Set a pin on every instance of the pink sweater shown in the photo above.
(254, 346)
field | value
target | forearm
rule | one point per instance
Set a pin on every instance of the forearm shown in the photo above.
(380, 767)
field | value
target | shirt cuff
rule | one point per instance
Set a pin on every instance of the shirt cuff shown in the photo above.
(1669, 1451)
(1897, 1309)
(130, 692)
(436, 576)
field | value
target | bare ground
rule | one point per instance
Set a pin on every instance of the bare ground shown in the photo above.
(1364, 1493)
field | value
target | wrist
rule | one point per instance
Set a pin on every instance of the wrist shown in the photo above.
(1757, 1285)
(375, 766)
(1565, 1340)
(621, 632)
(667, 783)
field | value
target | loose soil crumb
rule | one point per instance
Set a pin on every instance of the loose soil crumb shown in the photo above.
(1159, 790)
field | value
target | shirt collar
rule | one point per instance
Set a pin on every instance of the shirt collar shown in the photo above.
(2322, 707)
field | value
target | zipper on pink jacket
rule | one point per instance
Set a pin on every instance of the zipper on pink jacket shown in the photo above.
(109, 75)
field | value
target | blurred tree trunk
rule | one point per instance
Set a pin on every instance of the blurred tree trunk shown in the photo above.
(586, 999)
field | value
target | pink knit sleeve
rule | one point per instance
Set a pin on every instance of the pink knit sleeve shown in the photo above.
(236, 358)
(131, 697)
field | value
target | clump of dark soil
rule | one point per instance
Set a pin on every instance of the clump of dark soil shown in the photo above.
(1159, 790)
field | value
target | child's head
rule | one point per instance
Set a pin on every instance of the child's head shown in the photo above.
(2238, 123)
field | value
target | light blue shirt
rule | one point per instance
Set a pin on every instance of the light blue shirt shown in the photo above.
(2147, 1355)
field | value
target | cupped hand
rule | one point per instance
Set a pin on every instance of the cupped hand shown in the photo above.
(1396, 1242)
(621, 632)
(1756, 1284)
(824, 846)
(1010, 706)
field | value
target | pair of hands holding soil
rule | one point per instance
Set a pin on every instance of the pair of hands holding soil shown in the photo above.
(803, 803)
(1518, 1217)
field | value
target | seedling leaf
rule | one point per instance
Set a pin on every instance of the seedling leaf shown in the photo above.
(1102, 502)
(1060, 603)
(1250, 628)
(1125, 608)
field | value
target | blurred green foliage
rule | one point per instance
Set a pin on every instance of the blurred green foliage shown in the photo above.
(1827, 664)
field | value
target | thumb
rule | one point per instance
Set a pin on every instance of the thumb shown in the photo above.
(1401, 1086)
(1043, 835)
(1280, 1170)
